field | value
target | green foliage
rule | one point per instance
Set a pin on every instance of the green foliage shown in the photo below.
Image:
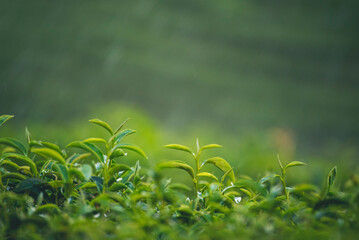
(48, 193)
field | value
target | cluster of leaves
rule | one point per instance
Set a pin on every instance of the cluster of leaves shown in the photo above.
(48, 193)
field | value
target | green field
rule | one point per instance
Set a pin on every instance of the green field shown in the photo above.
(260, 78)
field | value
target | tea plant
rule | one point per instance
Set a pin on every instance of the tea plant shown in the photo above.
(47, 192)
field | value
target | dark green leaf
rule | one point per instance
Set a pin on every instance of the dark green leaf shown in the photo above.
(90, 148)
(23, 160)
(14, 143)
(62, 169)
(123, 134)
(4, 118)
(115, 169)
(9, 166)
(99, 183)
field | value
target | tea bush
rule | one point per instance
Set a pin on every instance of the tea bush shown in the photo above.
(86, 191)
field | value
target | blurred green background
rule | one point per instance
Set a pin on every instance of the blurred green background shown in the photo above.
(259, 77)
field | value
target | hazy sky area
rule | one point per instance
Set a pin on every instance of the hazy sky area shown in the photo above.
(237, 64)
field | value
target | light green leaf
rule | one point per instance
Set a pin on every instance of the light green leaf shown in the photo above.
(49, 153)
(48, 208)
(48, 145)
(28, 135)
(12, 142)
(210, 146)
(132, 148)
(179, 165)
(101, 140)
(207, 174)
(4, 118)
(222, 165)
(102, 124)
(332, 175)
(279, 162)
(23, 160)
(294, 163)
(179, 147)
(86, 171)
(90, 148)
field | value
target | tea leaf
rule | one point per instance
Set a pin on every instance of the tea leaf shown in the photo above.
(123, 134)
(206, 174)
(210, 146)
(115, 169)
(120, 127)
(77, 157)
(73, 172)
(23, 160)
(11, 175)
(9, 166)
(52, 208)
(101, 140)
(117, 153)
(63, 172)
(222, 165)
(86, 171)
(48, 145)
(102, 124)
(132, 148)
(49, 153)
(4, 118)
(225, 175)
(332, 176)
(99, 183)
(90, 148)
(14, 143)
(179, 147)
(294, 164)
(279, 162)
(179, 165)
(117, 186)
(28, 135)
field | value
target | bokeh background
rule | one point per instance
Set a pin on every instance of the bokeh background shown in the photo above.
(258, 77)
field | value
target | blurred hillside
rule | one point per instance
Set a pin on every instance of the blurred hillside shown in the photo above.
(238, 65)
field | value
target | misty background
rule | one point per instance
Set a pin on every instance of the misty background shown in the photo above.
(281, 73)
